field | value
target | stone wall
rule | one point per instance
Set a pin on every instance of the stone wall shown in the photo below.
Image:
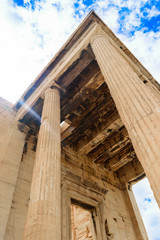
(11, 147)
(21, 195)
(118, 217)
(6, 119)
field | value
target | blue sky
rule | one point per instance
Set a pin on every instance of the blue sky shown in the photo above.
(148, 208)
(32, 31)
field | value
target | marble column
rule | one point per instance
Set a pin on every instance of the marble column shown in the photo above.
(137, 105)
(44, 211)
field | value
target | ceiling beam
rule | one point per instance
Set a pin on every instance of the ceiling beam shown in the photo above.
(100, 134)
(93, 81)
(130, 171)
(111, 145)
(116, 162)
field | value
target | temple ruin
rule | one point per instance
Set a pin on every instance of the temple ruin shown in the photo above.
(81, 135)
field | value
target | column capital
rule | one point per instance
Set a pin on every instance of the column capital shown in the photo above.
(51, 90)
(54, 86)
(48, 90)
(95, 37)
(99, 33)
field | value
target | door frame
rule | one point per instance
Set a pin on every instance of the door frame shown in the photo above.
(79, 192)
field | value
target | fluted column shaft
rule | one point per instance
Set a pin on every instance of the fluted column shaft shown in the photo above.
(44, 212)
(137, 105)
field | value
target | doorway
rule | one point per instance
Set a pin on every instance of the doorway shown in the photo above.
(83, 221)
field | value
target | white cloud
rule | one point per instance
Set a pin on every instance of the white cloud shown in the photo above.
(153, 12)
(29, 39)
(110, 16)
(145, 46)
(132, 20)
